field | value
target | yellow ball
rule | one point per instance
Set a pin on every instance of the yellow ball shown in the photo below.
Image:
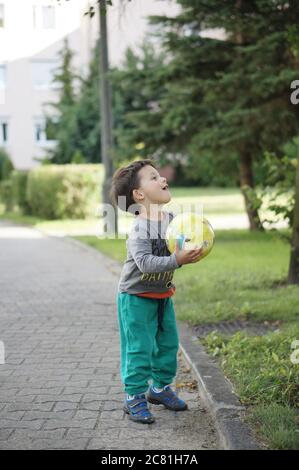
(192, 231)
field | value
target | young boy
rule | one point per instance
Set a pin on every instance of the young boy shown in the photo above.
(148, 333)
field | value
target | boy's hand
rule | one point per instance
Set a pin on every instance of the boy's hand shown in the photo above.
(187, 256)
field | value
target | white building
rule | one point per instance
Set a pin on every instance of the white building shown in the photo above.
(32, 33)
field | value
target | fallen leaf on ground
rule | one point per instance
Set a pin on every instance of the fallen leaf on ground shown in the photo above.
(192, 385)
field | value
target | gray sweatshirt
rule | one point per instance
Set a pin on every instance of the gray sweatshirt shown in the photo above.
(149, 265)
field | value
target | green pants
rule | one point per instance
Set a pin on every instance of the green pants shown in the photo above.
(146, 351)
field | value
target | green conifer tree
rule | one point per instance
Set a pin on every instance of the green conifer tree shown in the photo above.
(62, 126)
(232, 93)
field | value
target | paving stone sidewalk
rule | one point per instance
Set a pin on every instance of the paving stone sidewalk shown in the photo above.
(60, 385)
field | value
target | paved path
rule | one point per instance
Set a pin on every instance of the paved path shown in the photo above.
(59, 385)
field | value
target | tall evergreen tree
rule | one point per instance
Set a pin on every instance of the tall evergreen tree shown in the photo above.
(77, 129)
(138, 88)
(235, 89)
(65, 116)
(87, 130)
(152, 114)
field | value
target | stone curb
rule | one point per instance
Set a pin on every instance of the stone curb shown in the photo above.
(217, 394)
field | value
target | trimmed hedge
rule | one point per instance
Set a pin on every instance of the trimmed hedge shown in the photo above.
(6, 165)
(6, 168)
(18, 190)
(6, 195)
(64, 191)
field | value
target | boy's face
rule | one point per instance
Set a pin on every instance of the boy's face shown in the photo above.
(153, 188)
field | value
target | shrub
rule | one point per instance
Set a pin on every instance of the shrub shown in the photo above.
(277, 191)
(64, 191)
(19, 186)
(78, 157)
(6, 165)
(6, 195)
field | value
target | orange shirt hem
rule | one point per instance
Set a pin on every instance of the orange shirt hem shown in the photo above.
(158, 295)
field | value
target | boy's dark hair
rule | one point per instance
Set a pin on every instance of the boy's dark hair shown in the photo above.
(126, 179)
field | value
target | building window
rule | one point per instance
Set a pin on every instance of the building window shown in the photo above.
(2, 76)
(39, 132)
(35, 15)
(43, 73)
(2, 83)
(1, 15)
(44, 17)
(45, 130)
(3, 132)
(48, 15)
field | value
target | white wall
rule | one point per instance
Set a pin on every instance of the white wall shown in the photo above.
(21, 45)
(21, 103)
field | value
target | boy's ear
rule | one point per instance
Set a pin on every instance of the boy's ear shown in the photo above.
(137, 194)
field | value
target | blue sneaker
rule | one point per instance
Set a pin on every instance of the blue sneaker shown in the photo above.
(137, 409)
(167, 398)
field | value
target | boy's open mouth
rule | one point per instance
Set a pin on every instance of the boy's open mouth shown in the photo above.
(165, 188)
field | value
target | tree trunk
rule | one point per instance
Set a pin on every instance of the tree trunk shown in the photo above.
(111, 226)
(246, 175)
(246, 180)
(293, 277)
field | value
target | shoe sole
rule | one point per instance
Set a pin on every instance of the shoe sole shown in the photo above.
(157, 402)
(138, 420)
